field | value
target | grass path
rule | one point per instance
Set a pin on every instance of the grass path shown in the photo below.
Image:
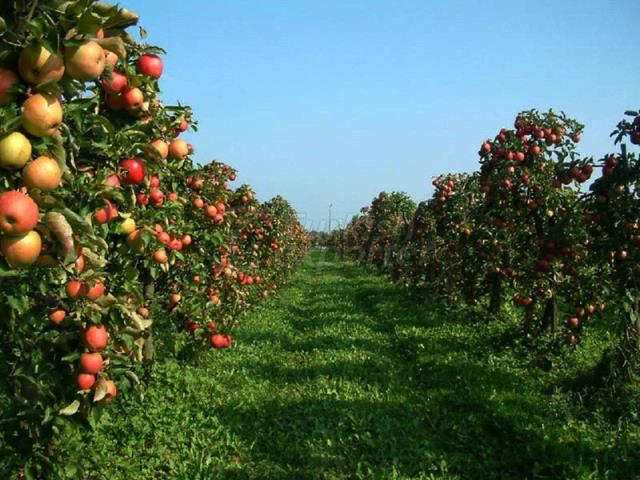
(341, 376)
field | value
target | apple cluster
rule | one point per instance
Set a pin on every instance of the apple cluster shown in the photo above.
(109, 230)
(522, 227)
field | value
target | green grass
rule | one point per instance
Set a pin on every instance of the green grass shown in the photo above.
(344, 376)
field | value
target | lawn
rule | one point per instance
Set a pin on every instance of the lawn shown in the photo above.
(344, 375)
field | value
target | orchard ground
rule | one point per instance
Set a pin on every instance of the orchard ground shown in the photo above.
(344, 375)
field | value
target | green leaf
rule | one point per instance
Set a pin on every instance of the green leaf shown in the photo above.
(101, 390)
(19, 304)
(115, 45)
(70, 409)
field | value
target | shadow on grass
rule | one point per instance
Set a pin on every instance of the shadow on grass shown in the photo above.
(425, 411)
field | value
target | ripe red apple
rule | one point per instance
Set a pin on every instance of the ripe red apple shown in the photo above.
(135, 171)
(76, 289)
(142, 199)
(91, 362)
(175, 244)
(186, 240)
(211, 211)
(219, 341)
(163, 237)
(172, 197)
(85, 381)
(150, 65)
(23, 250)
(96, 291)
(160, 256)
(41, 115)
(115, 83)
(154, 181)
(18, 213)
(43, 173)
(113, 181)
(37, 65)
(7, 81)
(15, 151)
(101, 216)
(85, 62)
(212, 326)
(573, 322)
(144, 311)
(132, 100)
(96, 338)
(57, 316)
(156, 196)
(178, 149)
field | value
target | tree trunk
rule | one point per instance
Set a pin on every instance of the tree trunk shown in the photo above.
(550, 315)
(496, 293)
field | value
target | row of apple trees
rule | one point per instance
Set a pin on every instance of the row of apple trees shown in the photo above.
(105, 220)
(522, 230)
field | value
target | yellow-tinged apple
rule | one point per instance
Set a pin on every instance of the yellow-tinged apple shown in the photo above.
(15, 151)
(36, 64)
(43, 173)
(41, 115)
(85, 62)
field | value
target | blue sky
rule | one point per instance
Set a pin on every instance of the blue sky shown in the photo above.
(333, 101)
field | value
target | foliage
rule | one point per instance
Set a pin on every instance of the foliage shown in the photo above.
(132, 223)
(344, 375)
(521, 227)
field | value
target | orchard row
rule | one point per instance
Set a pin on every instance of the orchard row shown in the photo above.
(105, 220)
(523, 229)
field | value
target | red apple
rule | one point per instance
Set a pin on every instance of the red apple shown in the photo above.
(96, 291)
(91, 362)
(76, 289)
(132, 100)
(135, 171)
(150, 65)
(85, 381)
(7, 80)
(178, 149)
(18, 213)
(219, 341)
(115, 83)
(96, 338)
(160, 256)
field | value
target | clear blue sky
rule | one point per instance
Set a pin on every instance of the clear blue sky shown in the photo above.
(333, 101)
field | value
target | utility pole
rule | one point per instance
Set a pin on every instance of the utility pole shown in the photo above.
(330, 205)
